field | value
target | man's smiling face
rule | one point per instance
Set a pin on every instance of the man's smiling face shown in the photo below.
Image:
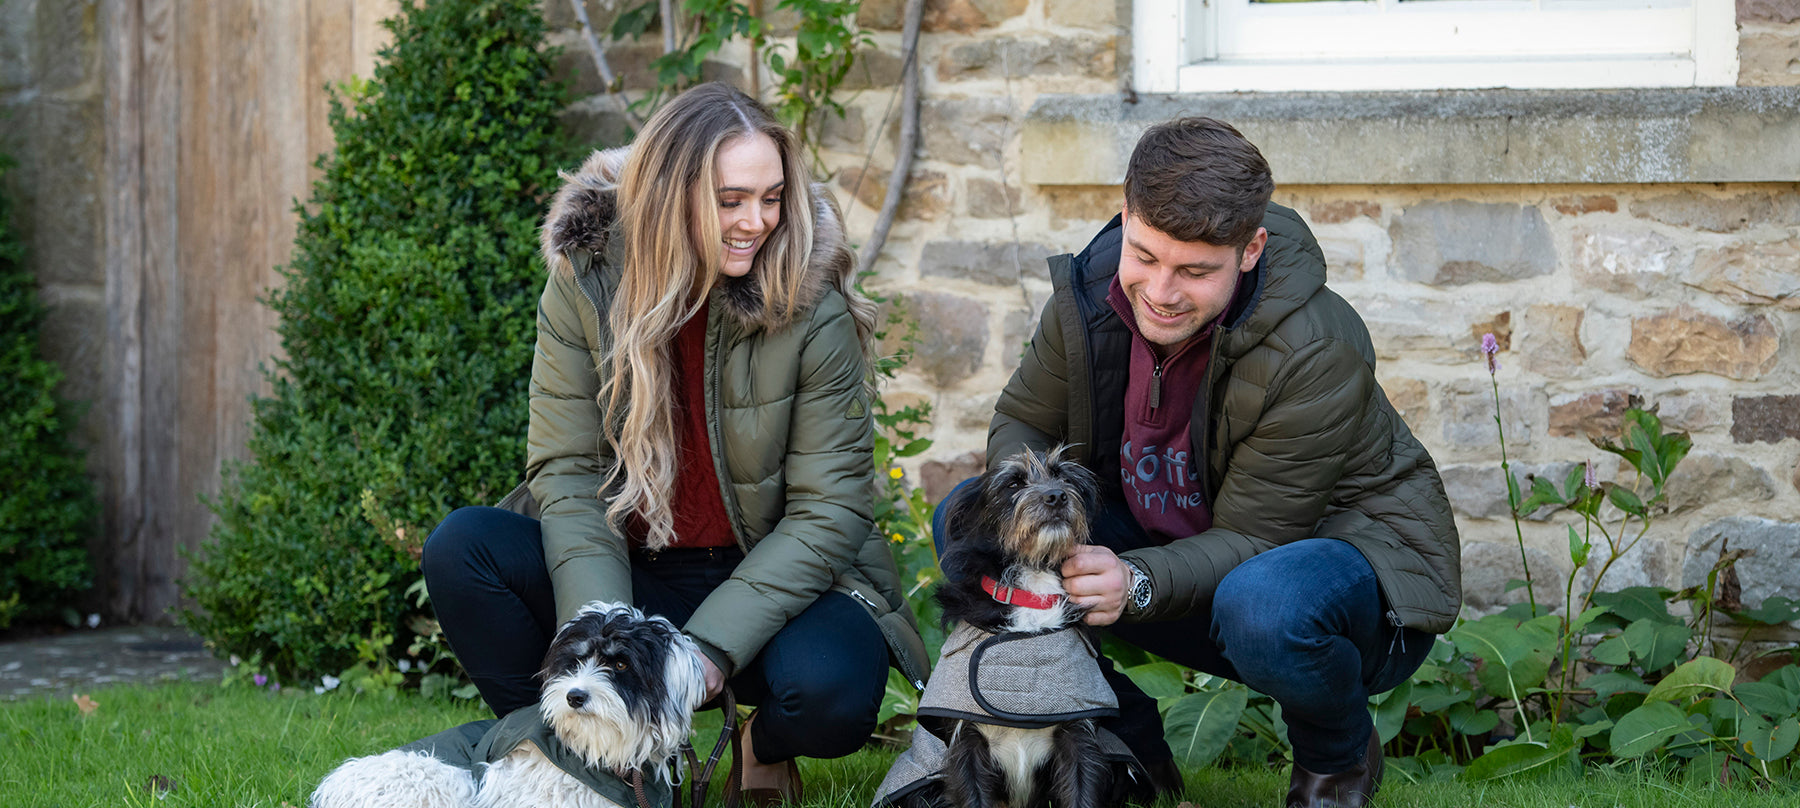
(1177, 287)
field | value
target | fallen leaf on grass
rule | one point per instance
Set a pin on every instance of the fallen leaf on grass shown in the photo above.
(161, 784)
(87, 705)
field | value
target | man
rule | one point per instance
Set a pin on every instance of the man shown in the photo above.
(1267, 516)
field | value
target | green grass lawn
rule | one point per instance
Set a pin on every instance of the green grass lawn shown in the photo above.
(248, 747)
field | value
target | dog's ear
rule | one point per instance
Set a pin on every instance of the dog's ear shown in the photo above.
(965, 510)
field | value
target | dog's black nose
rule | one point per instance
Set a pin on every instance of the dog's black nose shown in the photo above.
(1054, 499)
(577, 698)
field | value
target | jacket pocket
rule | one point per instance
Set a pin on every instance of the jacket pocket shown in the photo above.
(904, 643)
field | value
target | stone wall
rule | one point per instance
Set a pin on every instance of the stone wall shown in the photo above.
(1681, 295)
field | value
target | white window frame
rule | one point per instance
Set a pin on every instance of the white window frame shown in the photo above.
(1193, 46)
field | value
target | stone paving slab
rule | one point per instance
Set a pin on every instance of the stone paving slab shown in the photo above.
(80, 660)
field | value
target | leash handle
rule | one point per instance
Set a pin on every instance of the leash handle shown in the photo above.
(727, 735)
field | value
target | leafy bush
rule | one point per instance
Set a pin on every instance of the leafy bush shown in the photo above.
(47, 505)
(406, 321)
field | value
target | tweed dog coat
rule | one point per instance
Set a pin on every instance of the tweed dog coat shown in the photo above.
(1009, 679)
(473, 745)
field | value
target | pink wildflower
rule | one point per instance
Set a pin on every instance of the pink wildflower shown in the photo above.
(260, 680)
(1589, 477)
(1489, 347)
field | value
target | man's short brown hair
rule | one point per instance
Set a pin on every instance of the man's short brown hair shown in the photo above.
(1198, 179)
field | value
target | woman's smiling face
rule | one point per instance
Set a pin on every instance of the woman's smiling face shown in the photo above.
(748, 179)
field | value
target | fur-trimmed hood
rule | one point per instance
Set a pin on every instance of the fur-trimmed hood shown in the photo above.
(585, 212)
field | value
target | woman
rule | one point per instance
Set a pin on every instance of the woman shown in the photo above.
(700, 442)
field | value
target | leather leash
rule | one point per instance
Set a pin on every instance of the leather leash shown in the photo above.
(728, 734)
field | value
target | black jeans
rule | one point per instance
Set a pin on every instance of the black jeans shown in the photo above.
(818, 682)
(1301, 623)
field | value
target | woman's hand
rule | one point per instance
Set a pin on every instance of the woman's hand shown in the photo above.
(715, 679)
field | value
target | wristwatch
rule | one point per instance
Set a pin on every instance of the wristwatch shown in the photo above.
(1138, 599)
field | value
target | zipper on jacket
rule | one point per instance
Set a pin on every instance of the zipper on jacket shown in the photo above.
(1156, 371)
(712, 428)
(1202, 469)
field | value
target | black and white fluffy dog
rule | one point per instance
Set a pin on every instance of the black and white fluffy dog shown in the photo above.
(619, 691)
(1004, 584)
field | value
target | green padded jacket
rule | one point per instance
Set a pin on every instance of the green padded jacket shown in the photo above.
(1292, 437)
(792, 438)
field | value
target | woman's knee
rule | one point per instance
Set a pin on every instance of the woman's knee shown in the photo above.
(451, 543)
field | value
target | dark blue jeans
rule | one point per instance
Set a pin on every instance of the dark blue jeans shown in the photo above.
(818, 681)
(1302, 623)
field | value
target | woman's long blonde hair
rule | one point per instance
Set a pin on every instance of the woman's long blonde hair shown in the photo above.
(667, 202)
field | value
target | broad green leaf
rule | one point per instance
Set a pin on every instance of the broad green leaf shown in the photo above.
(1517, 656)
(1613, 651)
(1585, 731)
(1694, 678)
(1573, 482)
(1521, 757)
(1649, 726)
(1770, 612)
(1516, 583)
(1623, 499)
(1436, 698)
(1467, 719)
(1201, 724)
(1767, 698)
(1578, 549)
(1769, 742)
(1675, 446)
(1390, 713)
(1655, 644)
(1605, 685)
(1586, 618)
(1543, 492)
(1638, 603)
(1158, 680)
(1637, 436)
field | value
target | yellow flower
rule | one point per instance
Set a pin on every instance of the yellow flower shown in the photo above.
(896, 472)
(898, 538)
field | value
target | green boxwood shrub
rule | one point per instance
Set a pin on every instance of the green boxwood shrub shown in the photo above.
(407, 324)
(46, 502)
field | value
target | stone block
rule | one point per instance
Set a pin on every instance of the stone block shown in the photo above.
(1551, 342)
(1343, 258)
(1468, 412)
(1577, 205)
(967, 131)
(1019, 326)
(595, 128)
(1478, 491)
(1488, 566)
(1396, 328)
(1684, 340)
(1704, 478)
(1458, 242)
(1771, 419)
(1768, 59)
(872, 69)
(881, 15)
(1634, 264)
(1014, 58)
(1094, 14)
(1796, 478)
(1342, 211)
(1699, 212)
(952, 336)
(939, 476)
(1773, 568)
(1768, 10)
(986, 262)
(973, 413)
(962, 16)
(18, 28)
(1410, 397)
(1758, 274)
(987, 199)
(1500, 325)
(68, 148)
(924, 198)
(1083, 203)
(845, 130)
(67, 44)
(1691, 412)
(575, 68)
(1597, 413)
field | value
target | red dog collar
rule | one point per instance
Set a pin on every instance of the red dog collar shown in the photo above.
(1018, 597)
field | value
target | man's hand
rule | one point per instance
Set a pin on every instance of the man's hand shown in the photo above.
(715, 679)
(1094, 577)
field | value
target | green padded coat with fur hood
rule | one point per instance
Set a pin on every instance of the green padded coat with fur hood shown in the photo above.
(788, 405)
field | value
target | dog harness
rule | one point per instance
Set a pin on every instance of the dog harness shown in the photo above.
(1008, 679)
(475, 745)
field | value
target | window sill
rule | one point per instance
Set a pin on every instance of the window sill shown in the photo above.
(1714, 134)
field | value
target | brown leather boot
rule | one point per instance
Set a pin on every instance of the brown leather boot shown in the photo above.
(1351, 788)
